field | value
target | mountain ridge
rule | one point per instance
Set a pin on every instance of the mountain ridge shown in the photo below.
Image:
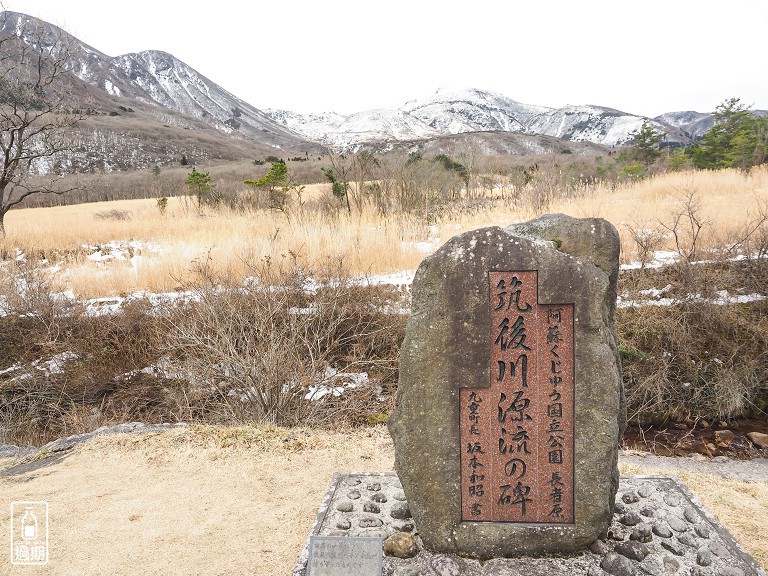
(474, 110)
(176, 96)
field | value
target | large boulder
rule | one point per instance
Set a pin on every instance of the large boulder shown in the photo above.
(448, 347)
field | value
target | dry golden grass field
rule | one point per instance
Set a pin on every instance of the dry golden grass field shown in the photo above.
(236, 501)
(163, 247)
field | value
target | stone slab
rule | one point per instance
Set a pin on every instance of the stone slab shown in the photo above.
(658, 528)
(344, 556)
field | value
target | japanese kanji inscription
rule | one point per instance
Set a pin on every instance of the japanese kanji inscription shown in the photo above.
(517, 435)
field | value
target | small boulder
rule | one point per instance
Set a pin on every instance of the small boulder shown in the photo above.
(345, 506)
(618, 565)
(632, 550)
(724, 438)
(630, 498)
(631, 518)
(758, 439)
(703, 557)
(401, 545)
(370, 522)
(642, 533)
(400, 511)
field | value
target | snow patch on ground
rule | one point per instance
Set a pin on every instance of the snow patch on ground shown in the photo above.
(51, 367)
(722, 298)
(334, 383)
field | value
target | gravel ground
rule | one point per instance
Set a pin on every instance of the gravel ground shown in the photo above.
(744, 470)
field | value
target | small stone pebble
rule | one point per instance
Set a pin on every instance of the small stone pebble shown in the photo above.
(599, 547)
(672, 500)
(688, 539)
(630, 498)
(345, 506)
(676, 524)
(671, 565)
(353, 494)
(401, 545)
(662, 531)
(631, 518)
(619, 508)
(352, 481)
(699, 571)
(370, 522)
(445, 565)
(374, 486)
(379, 497)
(632, 550)
(642, 533)
(645, 491)
(617, 565)
(344, 524)
(408, 571)
(400, 495)
(402, 526)
(703, 557)
(719, 550)
(653, 565)
(371, 507)
(616, 532)
(691, 515)
(648, 512)
(702, 530)
(673, 546)
(400, 511)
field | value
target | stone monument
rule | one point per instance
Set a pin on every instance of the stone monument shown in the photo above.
(510, 402)
(510, 409)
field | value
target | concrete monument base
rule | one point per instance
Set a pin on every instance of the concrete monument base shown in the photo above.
(658, 528)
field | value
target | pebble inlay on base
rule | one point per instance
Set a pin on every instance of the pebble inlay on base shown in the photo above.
(658, 528)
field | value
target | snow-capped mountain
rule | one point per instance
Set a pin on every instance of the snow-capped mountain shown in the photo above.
(472, 110)
(449, 112)
(692, 124)
(364, 127)
(587, 123)
(159, 78)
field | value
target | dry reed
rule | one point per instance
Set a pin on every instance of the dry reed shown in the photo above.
(166, 245)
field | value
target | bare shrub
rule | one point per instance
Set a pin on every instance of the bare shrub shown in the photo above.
(268, 351)
(114, 214)
(694, 360)
(64, 372)
(29, 292)
(686, 225)
(647, 242)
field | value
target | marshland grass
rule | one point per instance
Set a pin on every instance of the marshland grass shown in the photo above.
(165, 246)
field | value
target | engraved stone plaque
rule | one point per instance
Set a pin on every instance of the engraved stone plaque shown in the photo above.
(517, 436)
(344, 556)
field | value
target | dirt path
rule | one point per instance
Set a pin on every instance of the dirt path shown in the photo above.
(236, 501)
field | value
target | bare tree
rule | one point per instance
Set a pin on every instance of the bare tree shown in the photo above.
(35, 107)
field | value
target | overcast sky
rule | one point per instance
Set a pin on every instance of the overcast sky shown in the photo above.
(645, 57)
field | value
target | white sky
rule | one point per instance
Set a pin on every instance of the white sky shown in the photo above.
(645, 57)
